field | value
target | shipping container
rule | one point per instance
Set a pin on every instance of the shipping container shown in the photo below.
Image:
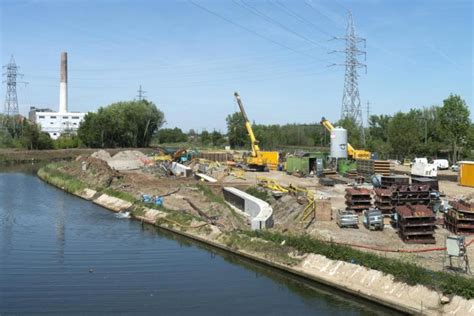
(466, 173)
(306, 163)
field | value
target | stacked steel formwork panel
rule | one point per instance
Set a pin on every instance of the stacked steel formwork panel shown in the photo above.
(358, 199)
(367, 168)
(460, 219)
(390, 181)
(416, 224)
(411, 194)
(383, 200)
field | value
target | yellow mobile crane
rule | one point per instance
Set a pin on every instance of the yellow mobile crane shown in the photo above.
(258, 160)
(351, 152)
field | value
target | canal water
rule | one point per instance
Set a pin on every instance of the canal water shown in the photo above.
(63, 255)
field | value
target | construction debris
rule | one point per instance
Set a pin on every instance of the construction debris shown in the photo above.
(358, 199)
(416, 224)
(460, 219)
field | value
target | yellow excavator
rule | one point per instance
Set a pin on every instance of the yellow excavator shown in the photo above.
(258, 160)
(351, 151)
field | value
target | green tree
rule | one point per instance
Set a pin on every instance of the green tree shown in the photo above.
(217, 139)
(205, 138)
(67, 140)
(405, 133)
(236, 131)
(455, 123)
(33, 138)
(171, 135)
(122, 124)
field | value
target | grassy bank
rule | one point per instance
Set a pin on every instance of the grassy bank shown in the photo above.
(279, 247)
(409, 273)
(52, 175)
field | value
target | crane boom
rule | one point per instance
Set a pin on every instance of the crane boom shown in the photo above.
(248, 126)
(351, 152)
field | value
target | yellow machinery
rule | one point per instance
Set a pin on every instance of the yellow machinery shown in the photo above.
(351, 152)
(258, 160)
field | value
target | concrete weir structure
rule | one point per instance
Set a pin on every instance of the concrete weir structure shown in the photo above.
(260, 212)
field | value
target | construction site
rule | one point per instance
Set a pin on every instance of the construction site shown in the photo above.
(378, 206)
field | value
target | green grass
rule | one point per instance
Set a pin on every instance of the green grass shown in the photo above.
(119, 194)
(258, 193)
(269, 250)
(402, 271)
(138, 211)
(210, 195)
(52, 175)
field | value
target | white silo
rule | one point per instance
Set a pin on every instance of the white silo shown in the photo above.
(338, 143)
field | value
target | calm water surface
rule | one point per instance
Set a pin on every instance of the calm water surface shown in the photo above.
(63, 255)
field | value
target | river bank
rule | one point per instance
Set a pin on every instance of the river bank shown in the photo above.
(65, 255)
(15, 156)
(349, 277)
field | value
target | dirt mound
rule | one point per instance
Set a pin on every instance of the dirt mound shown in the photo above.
(286, 213)
(102, 155)
(129, 155)
(99, 172)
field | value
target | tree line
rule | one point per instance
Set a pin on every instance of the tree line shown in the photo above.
(436, 131)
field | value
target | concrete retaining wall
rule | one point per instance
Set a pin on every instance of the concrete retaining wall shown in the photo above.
(205, 177)
(112, 203)
(261, 213)
(180, 170)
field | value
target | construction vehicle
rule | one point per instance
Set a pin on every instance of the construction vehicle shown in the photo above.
(258, 160)
(422, 168)
(351, 151)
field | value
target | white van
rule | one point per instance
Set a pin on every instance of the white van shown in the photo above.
(441, 164)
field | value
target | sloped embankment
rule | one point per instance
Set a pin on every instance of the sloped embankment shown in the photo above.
(283, 252)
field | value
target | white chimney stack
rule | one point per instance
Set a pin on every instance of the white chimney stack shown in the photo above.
(63, 84)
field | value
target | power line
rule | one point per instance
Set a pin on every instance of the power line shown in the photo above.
(321, 13)
(300, 18)
(249, 30)
(269, 19)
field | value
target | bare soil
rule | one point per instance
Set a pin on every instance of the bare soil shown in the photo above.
(287, 209)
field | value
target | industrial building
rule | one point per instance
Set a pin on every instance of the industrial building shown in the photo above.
(57, 123)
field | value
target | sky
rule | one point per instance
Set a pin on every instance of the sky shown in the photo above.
(190, 56)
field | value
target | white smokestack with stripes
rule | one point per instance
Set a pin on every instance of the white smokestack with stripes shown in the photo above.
(63, 84)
